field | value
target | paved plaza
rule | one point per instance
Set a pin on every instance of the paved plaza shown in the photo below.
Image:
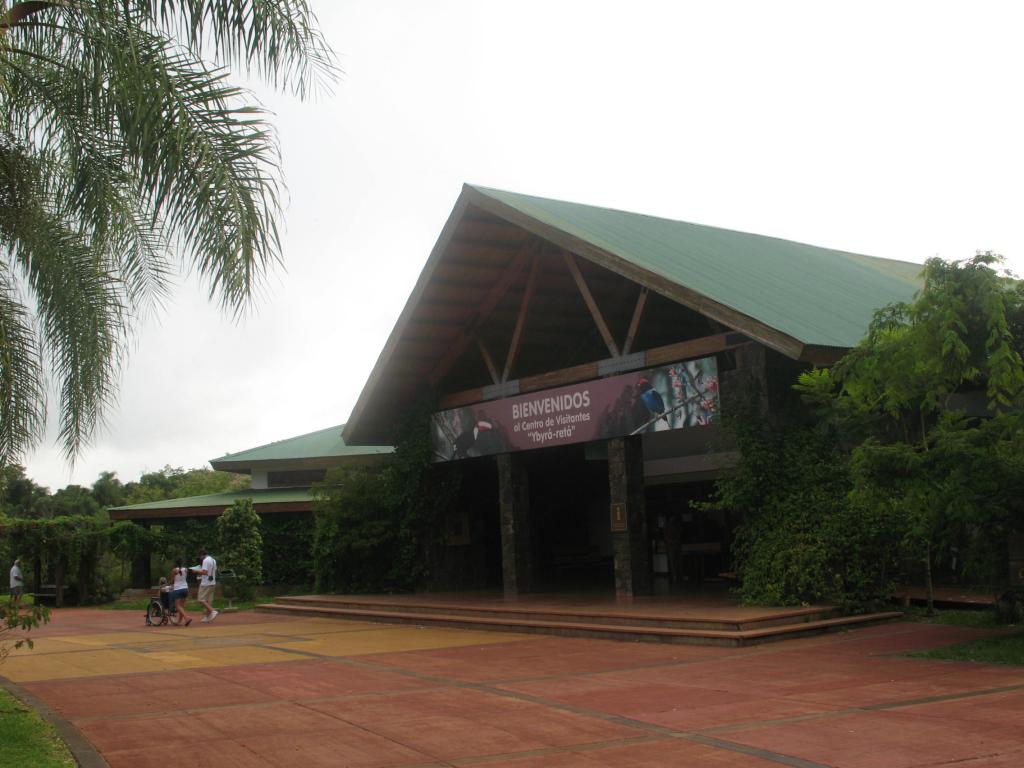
(251, 691)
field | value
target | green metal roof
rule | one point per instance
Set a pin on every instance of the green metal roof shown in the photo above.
(322, 444)
(225, 499)
(818, 296)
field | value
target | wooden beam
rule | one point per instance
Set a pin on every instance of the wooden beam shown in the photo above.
(517, 334)
(822, 356)
(491, 300)
(702, 347)
(729, 317)
(671, 353)
(488, 360)
(550, 379)
(638, 310)
(459, 399)
(595, 311)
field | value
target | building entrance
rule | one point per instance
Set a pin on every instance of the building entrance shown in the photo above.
(691, 545)
(569, 500)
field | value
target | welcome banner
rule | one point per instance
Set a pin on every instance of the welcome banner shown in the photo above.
(669, 397)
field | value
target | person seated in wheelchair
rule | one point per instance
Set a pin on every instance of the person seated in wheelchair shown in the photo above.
(165, 596)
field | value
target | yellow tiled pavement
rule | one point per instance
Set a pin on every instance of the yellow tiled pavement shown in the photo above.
(164, 649)
(55, 666)
(206, 641)
(43, 645)
(108, 639)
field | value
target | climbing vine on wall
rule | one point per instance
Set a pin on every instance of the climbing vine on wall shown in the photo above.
(378, 528)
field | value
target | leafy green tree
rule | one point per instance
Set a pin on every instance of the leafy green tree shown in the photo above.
(16, 619)
(177, 483)
(108, 490)
(73, 500)
(121, 143)
(948, 474)
(960, 334)
(912, 449)
(241, 546)
(21, 497)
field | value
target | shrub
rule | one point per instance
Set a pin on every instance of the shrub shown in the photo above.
(801, 540)
(287, 548)
(241, 546)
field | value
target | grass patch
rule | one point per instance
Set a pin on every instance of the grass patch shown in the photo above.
(1008, 649)
(27, 739)
(25, 599)
(981, 618)
(1005, 649)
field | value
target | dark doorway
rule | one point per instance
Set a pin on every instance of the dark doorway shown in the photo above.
(569, 501)
(470, 542)
(691, 545)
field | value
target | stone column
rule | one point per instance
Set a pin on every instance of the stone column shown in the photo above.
(629, 517)
(746, 387)
(516, 542)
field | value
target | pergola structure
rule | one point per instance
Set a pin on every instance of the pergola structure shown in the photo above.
(281, 475)
(524, 294)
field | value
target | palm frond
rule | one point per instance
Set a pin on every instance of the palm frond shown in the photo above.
(278, 39)
(22, 379)
(153, 120)
(82, 323)
(118, 144)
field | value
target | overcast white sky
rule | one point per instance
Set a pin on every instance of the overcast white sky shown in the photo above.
(891, 129)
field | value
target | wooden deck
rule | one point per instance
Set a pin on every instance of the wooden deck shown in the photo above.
(704, 618)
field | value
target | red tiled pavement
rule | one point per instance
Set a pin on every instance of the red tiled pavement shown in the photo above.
(453, 723)
(140, 694)
(842, 700)
(663, 753)
(894, 739)
(543, 656)
(313, 679)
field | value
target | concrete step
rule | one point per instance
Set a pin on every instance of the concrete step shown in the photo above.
(586, 615)
(568, 628)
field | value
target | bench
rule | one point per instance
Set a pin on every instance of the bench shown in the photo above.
(45, 595)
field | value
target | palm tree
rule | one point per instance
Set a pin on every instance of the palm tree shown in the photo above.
(124, 151)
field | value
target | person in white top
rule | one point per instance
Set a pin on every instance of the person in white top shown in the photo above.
(17, 582)
(179, 592)
(207, 583)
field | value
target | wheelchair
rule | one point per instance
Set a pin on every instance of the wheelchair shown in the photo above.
(158, 613)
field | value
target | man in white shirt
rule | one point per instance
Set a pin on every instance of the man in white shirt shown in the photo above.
(17, 582)
(207, 584)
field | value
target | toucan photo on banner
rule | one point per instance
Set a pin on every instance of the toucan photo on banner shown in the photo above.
(672, 396)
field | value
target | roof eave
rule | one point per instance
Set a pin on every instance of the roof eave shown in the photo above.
(214, 510)
(313, 462)
(351, 433)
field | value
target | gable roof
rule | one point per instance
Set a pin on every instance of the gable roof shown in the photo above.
(818, 296)
(795, 298)
(320, 448)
